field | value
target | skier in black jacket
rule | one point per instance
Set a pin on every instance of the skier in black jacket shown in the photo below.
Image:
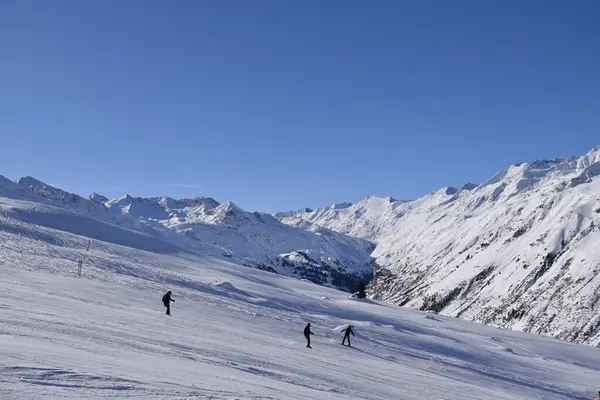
(167, 302)
(307, 333)
(347, 333)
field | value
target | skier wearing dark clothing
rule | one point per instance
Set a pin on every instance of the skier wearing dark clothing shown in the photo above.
(307, 333)
(347, 333)
(167, 302)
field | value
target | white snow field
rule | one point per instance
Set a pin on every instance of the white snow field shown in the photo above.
(236, 332)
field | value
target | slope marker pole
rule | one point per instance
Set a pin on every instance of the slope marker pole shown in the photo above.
(80, 262)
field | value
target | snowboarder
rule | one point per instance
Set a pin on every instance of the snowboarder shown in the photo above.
(167, 302)
(307, 333)
(597, 397)
(347, 333)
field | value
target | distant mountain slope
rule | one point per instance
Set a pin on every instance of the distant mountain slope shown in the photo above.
(520, 251)
(200, 225)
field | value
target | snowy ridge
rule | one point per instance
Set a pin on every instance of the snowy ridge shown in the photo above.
(519, 251)
(200, 225)
(363, 219)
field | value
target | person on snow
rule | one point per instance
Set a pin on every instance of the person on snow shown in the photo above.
(347, 333)
(167, 302)
(307, 333)
(597, 397)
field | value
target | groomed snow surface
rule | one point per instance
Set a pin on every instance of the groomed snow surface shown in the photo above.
(236, 333)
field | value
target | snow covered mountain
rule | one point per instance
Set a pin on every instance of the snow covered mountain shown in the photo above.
(200, 225)
(235, 332)
(519, 251)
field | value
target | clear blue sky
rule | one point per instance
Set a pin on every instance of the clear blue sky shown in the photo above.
(278, 105)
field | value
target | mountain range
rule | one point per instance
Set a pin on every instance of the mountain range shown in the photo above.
(201, 226)
(519, 251)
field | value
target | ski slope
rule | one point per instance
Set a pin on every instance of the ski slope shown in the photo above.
(236, 333)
